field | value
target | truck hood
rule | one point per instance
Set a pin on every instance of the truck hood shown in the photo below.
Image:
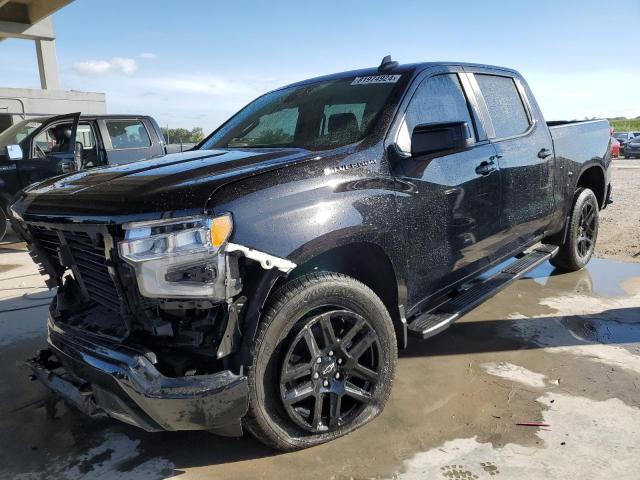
(172, 185)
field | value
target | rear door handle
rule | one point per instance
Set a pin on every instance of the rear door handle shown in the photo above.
(544, 153)
(485, 168)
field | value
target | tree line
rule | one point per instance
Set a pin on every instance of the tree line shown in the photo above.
(182, 135)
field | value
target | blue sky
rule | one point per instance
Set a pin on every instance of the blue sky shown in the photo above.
(193, 63)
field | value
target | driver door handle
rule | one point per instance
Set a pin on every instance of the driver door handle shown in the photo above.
(486, 167)
(544, 153)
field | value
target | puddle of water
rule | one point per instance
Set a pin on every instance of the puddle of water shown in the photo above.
(606, 277)
(608, 331)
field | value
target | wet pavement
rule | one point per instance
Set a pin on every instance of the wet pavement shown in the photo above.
(558, 349)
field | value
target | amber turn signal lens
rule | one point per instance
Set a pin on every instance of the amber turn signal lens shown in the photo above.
(221, 230)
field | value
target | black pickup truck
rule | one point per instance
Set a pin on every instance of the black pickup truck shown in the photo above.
(43, 147)
(268, 277)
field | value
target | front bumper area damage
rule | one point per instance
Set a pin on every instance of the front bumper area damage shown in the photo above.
(103, 379)
(161, 361)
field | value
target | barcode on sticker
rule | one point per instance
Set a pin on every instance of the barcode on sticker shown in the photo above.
(375, 79)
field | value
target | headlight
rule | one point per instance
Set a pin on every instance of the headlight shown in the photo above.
(146, 241)
(178, 258)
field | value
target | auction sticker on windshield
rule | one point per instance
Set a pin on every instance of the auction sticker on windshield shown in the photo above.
(375, 79)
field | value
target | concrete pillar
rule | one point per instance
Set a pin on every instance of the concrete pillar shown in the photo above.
(47, 64)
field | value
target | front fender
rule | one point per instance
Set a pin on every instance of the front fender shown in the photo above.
(301, 219)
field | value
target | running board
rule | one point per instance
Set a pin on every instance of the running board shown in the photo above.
(434, 321)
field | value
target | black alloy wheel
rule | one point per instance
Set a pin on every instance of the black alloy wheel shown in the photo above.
(585, 235)
(581, 233)
(321, 363)
(330, 370)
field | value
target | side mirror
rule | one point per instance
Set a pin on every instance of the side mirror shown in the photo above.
(14, 152)
(450, 137)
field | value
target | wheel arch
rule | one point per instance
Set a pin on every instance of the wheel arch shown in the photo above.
(364, 261)
(593, 177)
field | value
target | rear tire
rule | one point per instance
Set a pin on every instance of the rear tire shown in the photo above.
(582, 233)
(309, 384)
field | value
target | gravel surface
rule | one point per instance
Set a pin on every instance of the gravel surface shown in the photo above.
(619, 233)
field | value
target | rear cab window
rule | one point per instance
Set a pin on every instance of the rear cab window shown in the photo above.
(84, 135)
(127, 133)
(505, 106)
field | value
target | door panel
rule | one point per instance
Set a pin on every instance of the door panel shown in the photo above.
(527, 186)
(455, 215)
(452, 201)
(526, 159)
(51, 150)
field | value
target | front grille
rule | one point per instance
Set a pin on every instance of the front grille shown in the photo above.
(89, 262)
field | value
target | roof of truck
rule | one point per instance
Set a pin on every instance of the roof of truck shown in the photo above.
(397, 69)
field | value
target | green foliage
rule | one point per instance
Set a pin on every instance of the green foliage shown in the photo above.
(625, 124)
(182, 135)
(272, 137)
(268, 137)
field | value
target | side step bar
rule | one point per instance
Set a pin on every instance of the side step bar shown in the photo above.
(434, 321)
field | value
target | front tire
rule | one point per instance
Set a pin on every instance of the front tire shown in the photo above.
(322, 362)
(582, 233)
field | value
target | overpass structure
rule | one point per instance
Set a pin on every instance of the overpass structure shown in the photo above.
(30, 20)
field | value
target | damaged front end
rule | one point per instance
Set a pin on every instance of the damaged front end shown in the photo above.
(146, 318)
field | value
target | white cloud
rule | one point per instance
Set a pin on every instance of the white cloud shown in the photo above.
(206, 85)
(96, 67)
(148, 56)
(101, 67)
(124, 65)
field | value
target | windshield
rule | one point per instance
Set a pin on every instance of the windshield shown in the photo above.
(318, 116)
(17, 133)
(620, 136)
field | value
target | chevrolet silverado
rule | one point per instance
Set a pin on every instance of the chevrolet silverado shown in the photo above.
(267, 278)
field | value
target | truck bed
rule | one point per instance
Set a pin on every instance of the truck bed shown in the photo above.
(580, 141)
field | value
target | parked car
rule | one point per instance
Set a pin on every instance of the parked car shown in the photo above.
(633, 148)
(268, 277)
(623, 138)
(179, 147)
(43, 147)
(615, 147)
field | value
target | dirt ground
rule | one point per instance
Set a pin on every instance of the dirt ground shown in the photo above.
(559, 349)
(619, 235)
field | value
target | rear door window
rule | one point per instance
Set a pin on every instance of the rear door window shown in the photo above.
(506, 109)
(127, 134)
